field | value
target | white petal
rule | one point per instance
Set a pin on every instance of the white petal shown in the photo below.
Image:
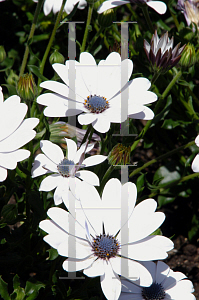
(101, 124)
(40, 161)
(183, 287)
(87, 118)
(84, 148)
(11, 116)
(94, 160)
(195, 164)
(61, 191)
(96, 269)
(162, 272)
(56, 87)
(159, 6)
(110, 283)
(9, 160)
(57, 6)
(74, 248)
(197, 140)
(89, 177)
(3, 174)
(110, 4)
(52, 151)
(144, 220)
(71, 149)
(130, 287)
(21, 136)
(78, 265)
(146, 114)
(48, 6)
(150, 248)
(49, 183)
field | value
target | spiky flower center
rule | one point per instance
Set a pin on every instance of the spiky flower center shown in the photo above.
(154, 292)
(105, 246)
(96, 104)
(65, 167)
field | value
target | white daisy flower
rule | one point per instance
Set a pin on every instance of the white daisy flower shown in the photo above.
(15, 132)
(66, 174)
(55, 5)
(97, 248)
(97, 92)
(195, 163)
(159, 6)
(166, 285)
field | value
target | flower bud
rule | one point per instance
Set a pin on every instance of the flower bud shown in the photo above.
(26, 87)
(61, 130)
(2, 54)
(106, 18)
(56, 57)
(97, 4)
(189, 57)
(9, 213)
(119, 155)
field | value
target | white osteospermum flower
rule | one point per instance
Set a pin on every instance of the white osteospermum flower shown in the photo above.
(15, 132)
(55, 5)
(66, 174)
(97, 247)
(97, 92)
(166, 285)
(195, 163)
(159, 6)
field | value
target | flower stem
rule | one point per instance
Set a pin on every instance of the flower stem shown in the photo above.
(31, 34)
(168, 154)
(89, 130)
(147, 17)
(158, 104)
(155, 77)
(90, 11)
(42, 65)
(94, 39)
(185, 178)
(105, 178)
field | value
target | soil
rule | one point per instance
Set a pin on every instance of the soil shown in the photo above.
(185, 258)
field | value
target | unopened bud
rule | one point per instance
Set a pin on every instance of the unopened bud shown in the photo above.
(26, 87)
(106, 18)
(56, 57)
(119, 155)
(189, 57)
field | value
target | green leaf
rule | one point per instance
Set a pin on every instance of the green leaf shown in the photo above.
(53, 254)
(16, 282)
(169, 173)
(4, 289)
(35, 70)
(163, 200)
(32, 289)
(140, 182)
(170, 124)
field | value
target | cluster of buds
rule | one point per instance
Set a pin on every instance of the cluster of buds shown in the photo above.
(119, 155)
(161, 53)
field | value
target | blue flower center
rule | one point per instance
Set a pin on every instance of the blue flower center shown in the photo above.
(96, 104)
(105, 246)
(154, 292)
(65, 167)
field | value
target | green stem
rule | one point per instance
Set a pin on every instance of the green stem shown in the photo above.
(117, 36)
(171, 84)
(51, 41)
(90, 11)
(147, 17)
(89, 130)
(158, 104)
(94, 39)
(105, 178)
(31, 34)
(168, 154)
(155, 77)
(102, 36)
(185, 178)
(193, 95)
